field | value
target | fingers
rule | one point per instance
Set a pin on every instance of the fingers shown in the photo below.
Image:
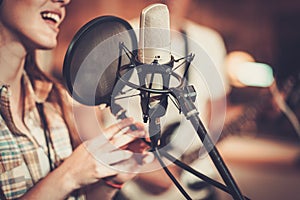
(118, 145)
(118, 127)
(96, 143)
(110, 158)
(126, 138)
(135, 164)
(137, 146)
(148, 158)
(118, 134)
(121, 135)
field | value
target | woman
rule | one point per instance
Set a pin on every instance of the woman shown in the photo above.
(37, 158)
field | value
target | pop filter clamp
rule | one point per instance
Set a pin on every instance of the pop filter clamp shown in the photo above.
(81, 55)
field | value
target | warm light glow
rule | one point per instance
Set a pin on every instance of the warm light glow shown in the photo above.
(255, 74)
(243, 71)
(232, 62)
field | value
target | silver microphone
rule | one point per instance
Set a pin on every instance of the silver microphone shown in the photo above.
(154, 41)
(154, 52)
(155, 59)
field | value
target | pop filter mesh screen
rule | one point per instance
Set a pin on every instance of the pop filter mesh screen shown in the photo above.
(92, 60)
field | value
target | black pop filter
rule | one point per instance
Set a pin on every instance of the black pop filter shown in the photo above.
(93, 58)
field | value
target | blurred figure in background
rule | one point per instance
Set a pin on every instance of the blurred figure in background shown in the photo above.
(185, 34)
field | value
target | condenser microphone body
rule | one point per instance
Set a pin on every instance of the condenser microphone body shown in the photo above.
(154, 59)
(154, 41)
(154, 53)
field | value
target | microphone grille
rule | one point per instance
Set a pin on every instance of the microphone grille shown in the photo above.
(154, 42)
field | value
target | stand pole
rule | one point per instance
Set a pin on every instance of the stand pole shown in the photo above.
(189, 110)
(155, 133)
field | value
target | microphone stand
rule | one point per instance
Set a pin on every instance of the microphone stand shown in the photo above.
(155, 132)
(185, 95)
(186, 101)
(189, 110)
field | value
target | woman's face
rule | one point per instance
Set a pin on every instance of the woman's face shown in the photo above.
(34, 23)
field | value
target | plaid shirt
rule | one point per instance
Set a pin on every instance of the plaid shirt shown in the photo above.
(23, 157)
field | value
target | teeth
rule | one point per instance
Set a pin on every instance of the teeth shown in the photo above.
(52, 16)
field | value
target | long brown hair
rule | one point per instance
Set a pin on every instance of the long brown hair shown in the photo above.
(57, 95)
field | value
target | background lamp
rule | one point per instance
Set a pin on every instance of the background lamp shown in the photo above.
(255, 74)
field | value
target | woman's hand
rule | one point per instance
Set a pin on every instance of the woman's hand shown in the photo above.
(131, 167)
(105, 155)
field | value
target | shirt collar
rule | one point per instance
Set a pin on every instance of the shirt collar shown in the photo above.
(36, 92)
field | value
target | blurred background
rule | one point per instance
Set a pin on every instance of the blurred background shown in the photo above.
(268, 30)
(262, 146)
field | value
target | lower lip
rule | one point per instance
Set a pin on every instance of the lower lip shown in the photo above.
(52, 25)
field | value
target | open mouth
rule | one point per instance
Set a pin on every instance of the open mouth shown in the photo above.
(51, 17)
